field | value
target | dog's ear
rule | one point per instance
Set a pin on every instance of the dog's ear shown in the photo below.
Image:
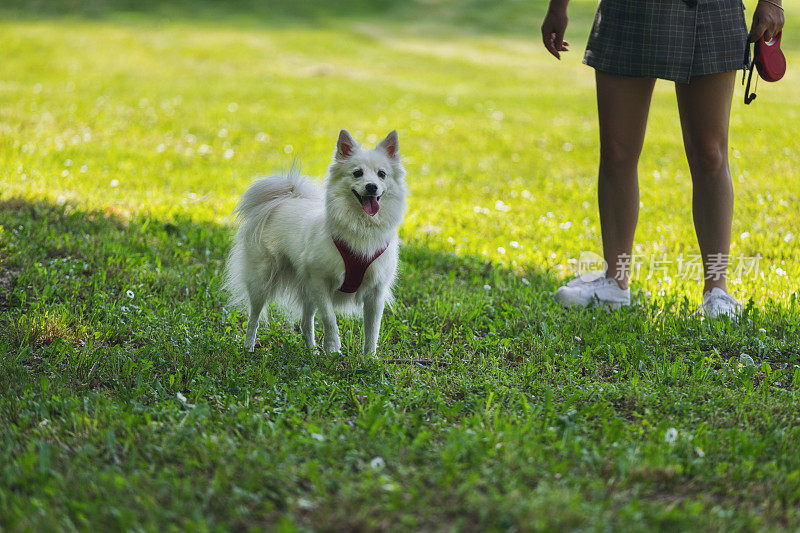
(345, 146)
(389, 145)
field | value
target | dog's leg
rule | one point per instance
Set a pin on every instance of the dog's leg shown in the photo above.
(322, 300)
(307, 324)
(331, 343)
(257, 301)
(373, 312)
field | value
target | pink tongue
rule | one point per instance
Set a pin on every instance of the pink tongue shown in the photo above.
(370, 205)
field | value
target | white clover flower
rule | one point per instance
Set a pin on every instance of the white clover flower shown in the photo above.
(182, 399)
(500, 205)
(699, 451)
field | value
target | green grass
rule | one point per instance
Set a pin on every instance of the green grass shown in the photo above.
(127, 133)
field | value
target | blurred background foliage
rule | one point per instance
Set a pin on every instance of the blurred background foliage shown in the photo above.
(483, 15)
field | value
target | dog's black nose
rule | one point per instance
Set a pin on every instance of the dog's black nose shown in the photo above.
(371, 188)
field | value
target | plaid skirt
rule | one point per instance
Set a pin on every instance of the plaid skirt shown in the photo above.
(668, 39)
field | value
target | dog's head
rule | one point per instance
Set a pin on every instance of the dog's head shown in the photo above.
(371, 182)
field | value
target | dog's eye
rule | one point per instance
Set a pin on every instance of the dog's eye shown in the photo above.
(381, 174)
(358, 173)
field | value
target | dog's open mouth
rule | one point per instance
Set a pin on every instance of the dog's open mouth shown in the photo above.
(369, 203)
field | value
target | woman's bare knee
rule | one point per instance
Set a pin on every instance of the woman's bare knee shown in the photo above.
(618, 159)
(707, 160)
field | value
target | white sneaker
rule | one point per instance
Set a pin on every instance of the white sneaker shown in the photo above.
(601, 290)
(717, 302)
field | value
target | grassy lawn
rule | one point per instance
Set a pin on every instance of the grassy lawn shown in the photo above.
(129, 130)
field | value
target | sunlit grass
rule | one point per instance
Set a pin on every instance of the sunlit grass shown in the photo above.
(500, 140)
(126, 401)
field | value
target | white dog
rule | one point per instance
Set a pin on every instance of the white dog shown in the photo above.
(312, 252)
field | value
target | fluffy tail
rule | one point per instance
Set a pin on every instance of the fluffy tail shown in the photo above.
(264, 195)
(252, 214)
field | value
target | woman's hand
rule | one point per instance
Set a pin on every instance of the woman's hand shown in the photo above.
(767, 21)
(553, 28)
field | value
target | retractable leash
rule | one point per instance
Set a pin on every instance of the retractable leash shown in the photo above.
(768, 60)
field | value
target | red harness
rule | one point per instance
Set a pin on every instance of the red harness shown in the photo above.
(355, 265)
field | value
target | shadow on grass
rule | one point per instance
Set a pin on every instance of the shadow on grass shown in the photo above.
(126, 401)
(99, 297)
(134, 306)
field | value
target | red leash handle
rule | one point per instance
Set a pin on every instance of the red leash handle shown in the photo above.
(769, 60)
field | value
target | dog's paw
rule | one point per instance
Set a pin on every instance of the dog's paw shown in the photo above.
(333, 347)
(251, 346)
(370, 351)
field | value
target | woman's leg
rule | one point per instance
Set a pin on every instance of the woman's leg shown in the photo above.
(622, 105)
(705, 108)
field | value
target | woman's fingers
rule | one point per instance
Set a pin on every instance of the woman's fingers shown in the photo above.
(550, 44)
(757, 30)
(553, 28)
(768, 22)
(549, 38)
(555, 44)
